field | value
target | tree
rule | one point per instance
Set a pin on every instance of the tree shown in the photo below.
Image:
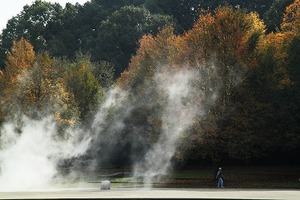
(113, 4)
(274, 93)
(153, 51)
(271, 98)
(184, 12)
(20, 58)
(81, 82)
(274, 15)
(224, 41)
(30, 24)
(221, 49)
(291, 19)
(104, 73)
(44, 94)
(33, 88)
(64, 37)
(135, 120)
(119, 34)
(290, 95)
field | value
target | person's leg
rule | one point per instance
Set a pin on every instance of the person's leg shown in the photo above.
(221, 182)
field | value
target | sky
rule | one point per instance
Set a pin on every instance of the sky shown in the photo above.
(10, 8)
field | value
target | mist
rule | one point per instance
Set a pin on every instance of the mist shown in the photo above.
(177, 116)
(188, 94)
(28, 160)
(138, 127)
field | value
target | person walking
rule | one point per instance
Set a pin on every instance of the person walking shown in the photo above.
(220, 178)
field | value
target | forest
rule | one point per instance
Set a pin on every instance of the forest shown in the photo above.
(234, 65)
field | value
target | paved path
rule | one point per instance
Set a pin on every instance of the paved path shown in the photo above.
(94, 193)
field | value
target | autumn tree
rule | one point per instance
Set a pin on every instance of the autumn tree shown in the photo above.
(20, 58)
(226, 42)
(33, 88)
(137, 124)
(288, 95)
(46, 94)
(291, 19)
(292, 23)
(222, 50)
(233, 127)
(80, 81)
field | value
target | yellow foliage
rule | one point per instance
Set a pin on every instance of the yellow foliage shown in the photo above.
(291, 19)
(276, 45)
(158, 48)
(255, 25)
(58, 117)
(225, 35)
(20, 58)
(36, 88)
(200, 37)
(153, 52)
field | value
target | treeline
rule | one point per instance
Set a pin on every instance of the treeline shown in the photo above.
(110, 30)
(256, 112)
(60, 61)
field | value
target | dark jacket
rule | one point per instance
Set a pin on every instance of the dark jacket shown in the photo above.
(219, 175)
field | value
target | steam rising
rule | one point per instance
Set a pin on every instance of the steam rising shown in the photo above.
(187, 94)
(29, 160)
(176, 118)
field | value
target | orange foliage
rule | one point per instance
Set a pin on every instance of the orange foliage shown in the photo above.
(225, 36)
(152, 53)
(159, 49)
(276, 45)
(199, 38)
(291, 19)
(20, 58)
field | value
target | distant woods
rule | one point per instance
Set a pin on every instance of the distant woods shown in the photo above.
(110, 30)
(62, 61)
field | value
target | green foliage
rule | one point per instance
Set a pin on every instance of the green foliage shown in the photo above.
(184, 12)
(30, 24)
(273, 16)
(117, 40)
(104, 73)
(81, 82)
